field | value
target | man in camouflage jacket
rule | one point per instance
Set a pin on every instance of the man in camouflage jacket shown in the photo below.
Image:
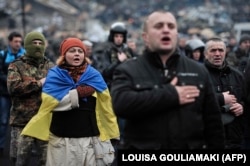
(26, 76)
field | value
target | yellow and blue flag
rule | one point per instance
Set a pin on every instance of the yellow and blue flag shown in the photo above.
(58, 84)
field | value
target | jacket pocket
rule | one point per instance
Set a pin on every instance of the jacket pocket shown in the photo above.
(144, 85)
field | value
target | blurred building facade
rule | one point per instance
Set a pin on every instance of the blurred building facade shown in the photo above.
(92, 18)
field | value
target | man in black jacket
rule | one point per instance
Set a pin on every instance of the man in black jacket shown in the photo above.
(167, 99)
(240, 57)
(246, 144)
(229, 86)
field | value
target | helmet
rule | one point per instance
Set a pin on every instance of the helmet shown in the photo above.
(194, 44)
(117, 27)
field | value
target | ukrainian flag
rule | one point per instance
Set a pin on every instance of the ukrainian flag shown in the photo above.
(58, 84)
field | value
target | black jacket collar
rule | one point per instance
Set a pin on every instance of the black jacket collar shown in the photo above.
(154, 58)
(225, 68)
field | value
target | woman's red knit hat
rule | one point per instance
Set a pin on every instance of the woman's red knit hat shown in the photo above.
(71, 42)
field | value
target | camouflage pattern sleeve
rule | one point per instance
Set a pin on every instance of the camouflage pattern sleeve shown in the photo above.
(22, 83)
(25, 88)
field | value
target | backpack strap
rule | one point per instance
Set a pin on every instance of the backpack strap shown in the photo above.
(5, 55)
(5, 52)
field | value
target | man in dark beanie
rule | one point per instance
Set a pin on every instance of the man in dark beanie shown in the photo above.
(26, 77)
(244, 38)
(240, 57)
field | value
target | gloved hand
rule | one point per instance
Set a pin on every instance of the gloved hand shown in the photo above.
(84, 90)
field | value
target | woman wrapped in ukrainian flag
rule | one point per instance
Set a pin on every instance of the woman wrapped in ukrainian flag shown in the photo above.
(76, 109)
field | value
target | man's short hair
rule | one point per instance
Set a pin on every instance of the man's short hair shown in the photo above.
(14, 34)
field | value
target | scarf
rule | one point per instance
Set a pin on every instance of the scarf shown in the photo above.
(58, 84)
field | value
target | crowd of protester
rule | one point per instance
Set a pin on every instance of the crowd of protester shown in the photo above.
(127, 37)
(93, 18)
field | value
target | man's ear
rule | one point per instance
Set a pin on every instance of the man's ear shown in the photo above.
(204, 53)
(144, 37)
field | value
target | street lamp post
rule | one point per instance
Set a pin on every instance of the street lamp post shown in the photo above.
(23, 17)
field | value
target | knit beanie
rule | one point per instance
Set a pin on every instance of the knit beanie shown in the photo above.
(71, 42)
(34, 51)
(244, 38)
